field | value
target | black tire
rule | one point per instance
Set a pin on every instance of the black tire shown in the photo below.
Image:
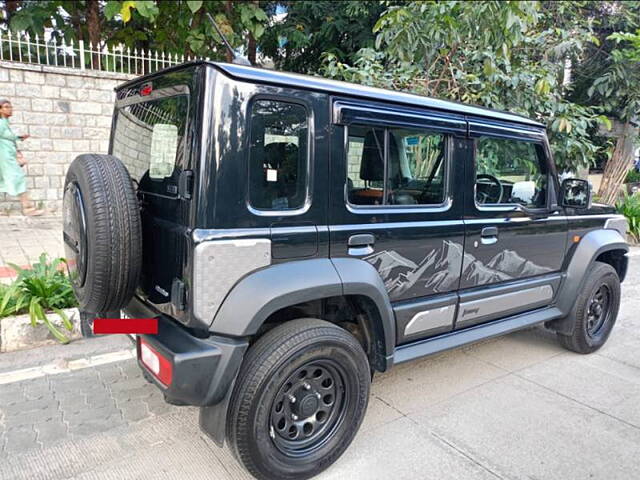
(87, 318)
(102, 232)
(592, 319)
(303, 359)
(86, 324)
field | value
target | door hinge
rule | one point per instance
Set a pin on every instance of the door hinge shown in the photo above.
(185, 184)
(178, 294)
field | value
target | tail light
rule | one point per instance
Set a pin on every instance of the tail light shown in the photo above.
(157, 364)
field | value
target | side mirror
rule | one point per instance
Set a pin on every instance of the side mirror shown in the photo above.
(575, 193)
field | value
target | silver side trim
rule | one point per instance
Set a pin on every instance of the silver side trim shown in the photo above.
(431, 319)
(504, 303)
(618, 223)
(217, 267)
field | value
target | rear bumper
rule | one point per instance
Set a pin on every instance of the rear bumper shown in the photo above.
(203, 369)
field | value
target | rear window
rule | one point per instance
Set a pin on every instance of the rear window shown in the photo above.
(149, 138)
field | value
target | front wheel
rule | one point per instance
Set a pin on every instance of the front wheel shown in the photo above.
(299, 400)
(595, 310)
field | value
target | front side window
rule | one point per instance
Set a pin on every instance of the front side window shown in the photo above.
(510, 172)
(395, 166)
(278, 156)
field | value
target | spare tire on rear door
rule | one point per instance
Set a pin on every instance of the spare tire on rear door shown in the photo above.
(102, 232)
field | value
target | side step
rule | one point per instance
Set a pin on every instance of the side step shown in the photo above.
(422, 348)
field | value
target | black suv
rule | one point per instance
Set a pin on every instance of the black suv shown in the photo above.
(293, 235)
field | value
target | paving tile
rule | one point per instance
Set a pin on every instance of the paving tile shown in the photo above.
(78, 417)
(20, 439)
(593, 380)
(417, 455)
(527, 431)
(95, 425)
(50, 433)
(517, 350)
(412, 386)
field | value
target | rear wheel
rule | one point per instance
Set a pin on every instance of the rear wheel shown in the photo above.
(299, 400)
(595, 311)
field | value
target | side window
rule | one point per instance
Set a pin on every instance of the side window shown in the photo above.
(415, 167)
(278, 156)
(365, 166)
(510, 172)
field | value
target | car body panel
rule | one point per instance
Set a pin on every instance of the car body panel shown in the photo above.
(416, 274)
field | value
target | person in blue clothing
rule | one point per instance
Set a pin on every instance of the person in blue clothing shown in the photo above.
(12, 176)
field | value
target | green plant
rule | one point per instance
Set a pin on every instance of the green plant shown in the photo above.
(629, 206)
(633, 176)
(7, 299)
(43, 288)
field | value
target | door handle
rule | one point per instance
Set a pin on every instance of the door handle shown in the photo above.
(489, 235)
(361, 244)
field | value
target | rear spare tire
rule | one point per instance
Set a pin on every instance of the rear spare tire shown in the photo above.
(102, 232)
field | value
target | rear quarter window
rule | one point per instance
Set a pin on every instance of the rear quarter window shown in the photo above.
(278, 156)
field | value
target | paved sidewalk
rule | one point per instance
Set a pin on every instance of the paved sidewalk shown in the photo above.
(23, 239)
(515, 407)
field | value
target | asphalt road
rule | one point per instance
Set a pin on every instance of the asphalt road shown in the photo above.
(515, 407)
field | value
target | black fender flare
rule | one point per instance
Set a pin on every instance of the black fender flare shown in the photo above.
(590, 247)
(258, 295)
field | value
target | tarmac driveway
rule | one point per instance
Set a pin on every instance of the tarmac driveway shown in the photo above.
(515, 407)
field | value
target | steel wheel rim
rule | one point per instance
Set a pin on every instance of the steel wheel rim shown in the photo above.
(598, 310)
(309, 407)
(75, 234)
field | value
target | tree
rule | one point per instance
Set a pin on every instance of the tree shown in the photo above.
(77, 20)
(302, 32)
(182, 26)
(617, 90)
(503, 55)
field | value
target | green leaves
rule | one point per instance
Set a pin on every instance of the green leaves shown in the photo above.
(112, 8)
(505, 55)
(630, 208)
(194, 5)
(252, 18)
(44, 287)
(146, 8)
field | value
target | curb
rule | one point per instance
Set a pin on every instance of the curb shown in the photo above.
(16, 333)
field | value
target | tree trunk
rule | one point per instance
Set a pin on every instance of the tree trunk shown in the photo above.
(229, 13)
(619, 165)
(93, 26)
(195, 24)
(10, 7)
(251, 50)
(252, 47)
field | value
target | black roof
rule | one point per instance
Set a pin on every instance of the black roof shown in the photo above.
(294, 80)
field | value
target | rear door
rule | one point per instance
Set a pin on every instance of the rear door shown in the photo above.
(395, 205)
(515, 237)
(153, 135)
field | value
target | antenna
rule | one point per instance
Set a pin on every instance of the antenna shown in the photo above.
(240, 60)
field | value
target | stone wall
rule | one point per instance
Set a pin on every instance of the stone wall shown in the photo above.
(67, 112)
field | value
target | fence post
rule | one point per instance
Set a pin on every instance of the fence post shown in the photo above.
(81, 53)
